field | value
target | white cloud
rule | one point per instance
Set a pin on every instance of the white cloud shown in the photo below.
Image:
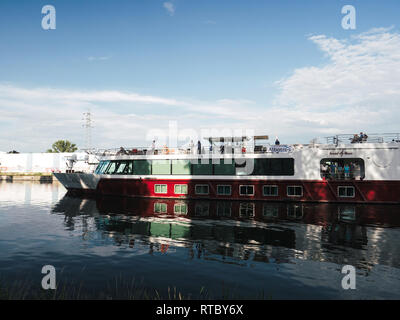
(170, 7)
(77, 95)
(32, 118)
(358, 88)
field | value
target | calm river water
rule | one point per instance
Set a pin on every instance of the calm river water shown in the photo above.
(129, 248)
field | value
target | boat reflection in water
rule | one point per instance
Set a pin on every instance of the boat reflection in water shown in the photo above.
(236, 231)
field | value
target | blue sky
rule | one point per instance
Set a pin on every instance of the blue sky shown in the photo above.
(209, 64)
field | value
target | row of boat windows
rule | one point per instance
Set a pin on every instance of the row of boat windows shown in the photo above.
(247, 190)
(240, 167)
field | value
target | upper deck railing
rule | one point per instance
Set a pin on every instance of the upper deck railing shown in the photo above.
(241, 148)
(366, 138)
(193, 151)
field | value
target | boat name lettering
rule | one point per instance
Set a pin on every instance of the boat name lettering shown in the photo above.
(280, 149)
(340, 153)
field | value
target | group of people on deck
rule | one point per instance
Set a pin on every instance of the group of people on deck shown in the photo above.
(340, 170)
(359, 138)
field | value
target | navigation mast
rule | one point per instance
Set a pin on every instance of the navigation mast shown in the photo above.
(87, 117)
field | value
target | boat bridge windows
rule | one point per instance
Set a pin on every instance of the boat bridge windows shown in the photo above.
(228, 167)
(342, 168)
(102, 166)
(274, 167)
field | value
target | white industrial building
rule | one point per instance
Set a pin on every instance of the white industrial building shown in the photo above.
(46, 162)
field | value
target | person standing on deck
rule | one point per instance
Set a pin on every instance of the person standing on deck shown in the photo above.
(199, 147)
(346, 171)
(333, 170)
(340, 171)
(355, 139)
(361, 138)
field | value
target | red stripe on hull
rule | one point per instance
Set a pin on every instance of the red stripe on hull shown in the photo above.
(313, 191)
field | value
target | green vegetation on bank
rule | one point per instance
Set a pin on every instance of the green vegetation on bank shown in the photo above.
(62, 146)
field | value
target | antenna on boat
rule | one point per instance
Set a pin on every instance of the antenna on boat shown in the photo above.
(87, 117)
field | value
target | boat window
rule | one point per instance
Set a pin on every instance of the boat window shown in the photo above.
(295, 191)
(142, 167)
(201, 168)
(181, 167)
(224, 190)
(346, 191)
(102, 166)
(244, 166)
(225, 167)
(98, 168)
(181, 189)
(270, 191)
(121, 167)
(274, 167)
(161, 167)
(201, 189)
(160, 188)
(342, 168)
(246, 190)
(128, 168)
(111, 168)
(241, 168)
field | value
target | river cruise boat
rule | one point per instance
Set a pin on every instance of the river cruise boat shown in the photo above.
(344, 169)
